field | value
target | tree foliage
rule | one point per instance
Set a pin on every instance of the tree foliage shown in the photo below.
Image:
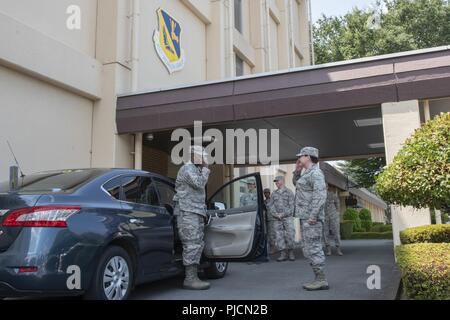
(363, 171)
(419, 174)
(394, 26)
(401, 26)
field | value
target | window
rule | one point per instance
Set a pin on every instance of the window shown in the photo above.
(113, 187)
(140, 189)
(238, 15)
(239, 66)
(166, 193)
(241, 193)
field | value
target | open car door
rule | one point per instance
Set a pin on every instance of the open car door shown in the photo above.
(236, 229)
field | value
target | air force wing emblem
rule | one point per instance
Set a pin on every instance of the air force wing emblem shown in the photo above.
(167, 40)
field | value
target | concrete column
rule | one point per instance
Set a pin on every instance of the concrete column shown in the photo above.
(138, 151)
(113, 51)
(400, 119)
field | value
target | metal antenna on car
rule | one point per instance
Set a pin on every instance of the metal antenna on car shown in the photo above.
(15, 159)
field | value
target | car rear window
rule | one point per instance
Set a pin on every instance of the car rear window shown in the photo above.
(52, 181)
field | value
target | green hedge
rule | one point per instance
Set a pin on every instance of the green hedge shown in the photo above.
(435, 233)
(372, 235)
(353, 215)
(365, 214)
(381, 228)
(346, 228)
(445, 218)
(366, 219)
(425, 269)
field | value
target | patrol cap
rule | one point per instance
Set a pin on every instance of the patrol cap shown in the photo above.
(266, 190)
(199, 150)
(308, 151)
(278, 178)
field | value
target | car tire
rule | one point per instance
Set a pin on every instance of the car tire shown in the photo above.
(115, 265)
(216, 270)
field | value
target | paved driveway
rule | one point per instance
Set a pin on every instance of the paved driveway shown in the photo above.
(347, 276)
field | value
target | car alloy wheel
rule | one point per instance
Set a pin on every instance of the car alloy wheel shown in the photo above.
(221, 266)
(116, 278)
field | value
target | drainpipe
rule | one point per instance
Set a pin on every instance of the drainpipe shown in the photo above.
(291, 35)
(265, 17)
(135, 15)
(311, 34)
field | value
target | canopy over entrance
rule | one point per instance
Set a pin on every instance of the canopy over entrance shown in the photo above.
(335, 107)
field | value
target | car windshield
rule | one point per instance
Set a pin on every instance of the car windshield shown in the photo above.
(52, 181)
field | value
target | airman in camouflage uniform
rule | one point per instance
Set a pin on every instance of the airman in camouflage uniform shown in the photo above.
(332, 212)
(190, 210)
(268, 202)
(310, 197)
(283, 203)
(251, 197)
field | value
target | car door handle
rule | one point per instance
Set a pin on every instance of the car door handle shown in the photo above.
(137, 221)
(220, 215)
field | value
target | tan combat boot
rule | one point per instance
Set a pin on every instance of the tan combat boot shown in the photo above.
(320, 282)
(339, 252)
(328, 250)
(291, 255)
(283, 256)
(191, 280)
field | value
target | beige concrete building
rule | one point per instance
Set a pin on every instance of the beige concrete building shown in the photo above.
(85, 83)
(59, 76)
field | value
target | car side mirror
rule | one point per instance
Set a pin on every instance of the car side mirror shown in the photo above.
(169, 209)
(219, 206)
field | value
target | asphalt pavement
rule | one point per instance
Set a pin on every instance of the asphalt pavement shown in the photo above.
(348, 277)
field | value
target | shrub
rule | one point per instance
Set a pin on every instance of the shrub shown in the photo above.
(365, 214)
(381, 228)
(346, 229)
(425, 269)
(353, 215)
(433, 233)
(445, 218)
(372, 235)
(366, 219)
(418, 175)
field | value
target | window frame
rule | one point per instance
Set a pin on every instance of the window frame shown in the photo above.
(238, 21)
(166, 183)
(241, 61)
(122, 192)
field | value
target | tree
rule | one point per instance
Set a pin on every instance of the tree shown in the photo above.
(419, 174)
(363, 171)
(401, 26)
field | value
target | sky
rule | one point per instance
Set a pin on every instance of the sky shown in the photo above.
(336, 7)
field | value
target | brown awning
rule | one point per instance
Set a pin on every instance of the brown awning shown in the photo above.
(356, 83)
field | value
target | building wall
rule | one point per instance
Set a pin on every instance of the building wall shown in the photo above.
(48, 127)
(49, 17)
(72, 77)
(152, 72)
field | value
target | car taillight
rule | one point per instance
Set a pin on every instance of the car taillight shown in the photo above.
(44, 216)
(28, 269)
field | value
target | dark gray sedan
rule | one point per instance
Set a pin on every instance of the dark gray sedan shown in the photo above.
(100, 232)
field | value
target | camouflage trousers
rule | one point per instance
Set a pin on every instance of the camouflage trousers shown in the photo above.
(331, 229)
(312, 244)
(271, 236)
(283, 233)
(191, 227)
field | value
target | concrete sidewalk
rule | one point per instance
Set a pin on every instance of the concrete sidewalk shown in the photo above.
(282, 280)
